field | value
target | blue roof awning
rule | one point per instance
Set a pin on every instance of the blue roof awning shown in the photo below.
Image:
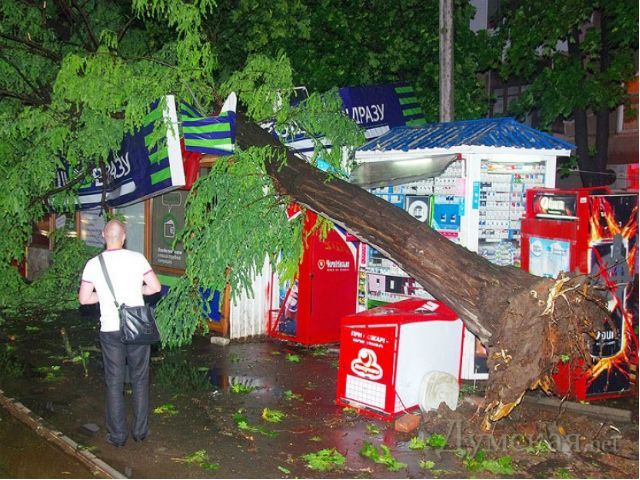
(503, 132)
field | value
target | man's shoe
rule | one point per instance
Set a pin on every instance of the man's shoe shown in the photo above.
(114, 443)
(140, 438)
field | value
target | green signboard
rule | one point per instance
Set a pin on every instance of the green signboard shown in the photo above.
(167, 219)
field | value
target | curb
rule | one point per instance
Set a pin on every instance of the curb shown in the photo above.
(97, 466)
(600, 411)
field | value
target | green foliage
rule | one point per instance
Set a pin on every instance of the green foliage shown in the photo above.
(416, 443)
(166, 409)
(284, 470)
(319, 351)
(566, 166)
(346, 50)
(293, 358)
(10, 367)
(435, 440)
(564, 358)
(179, 314)
(383, 456)
(241, 388)
(324, 460)
(479, 462)
(599, 54)
(235, 198)
(200, 458)
(541, 447)
(51, 373)
(426, 464)
(71, 90)
(242, 422)
(83, 358)
(55, 289)
(350, 412)
(467, 389)
(272, 415)
(562, 473)
(372, 429)
(289, 396)
(265, 85)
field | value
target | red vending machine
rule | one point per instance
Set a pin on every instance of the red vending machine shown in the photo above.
(325, 289)
(386, 352)
(595, 232)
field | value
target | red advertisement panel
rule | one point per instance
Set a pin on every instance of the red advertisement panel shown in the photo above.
(367, 365)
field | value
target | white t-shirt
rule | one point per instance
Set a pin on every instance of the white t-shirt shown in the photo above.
(126, 271)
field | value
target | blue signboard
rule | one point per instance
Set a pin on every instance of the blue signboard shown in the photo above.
(386, 106)
(376, 108)
(137, 172)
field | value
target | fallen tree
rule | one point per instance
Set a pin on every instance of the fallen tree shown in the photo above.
(79, 90)
(527, 323)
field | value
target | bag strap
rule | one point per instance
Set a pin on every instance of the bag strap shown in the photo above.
(106, 277)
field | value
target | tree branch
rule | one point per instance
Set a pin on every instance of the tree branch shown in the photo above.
(85, 20)
(24, 98)
(38, 91)
(79, 178)
(45, 52)
(124, 29)
(150, 59)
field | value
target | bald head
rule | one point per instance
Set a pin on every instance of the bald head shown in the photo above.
(114, 234)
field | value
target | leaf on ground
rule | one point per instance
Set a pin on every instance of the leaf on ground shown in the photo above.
(426, 464)
(289, 395)
(240, 388)
(273, 416)
(200, 458)
(417, 443)
(480, 462)
(383, 457)
(293, 358)
(242, 423)
(436, 440)
(324, 460)
(372, 429)
(167, 408)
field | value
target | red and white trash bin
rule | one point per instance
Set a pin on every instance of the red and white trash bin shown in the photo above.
(386, 352)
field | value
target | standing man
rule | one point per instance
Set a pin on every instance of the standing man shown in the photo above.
(132, 277)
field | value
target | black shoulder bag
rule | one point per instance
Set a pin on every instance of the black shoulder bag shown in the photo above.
(137, 324)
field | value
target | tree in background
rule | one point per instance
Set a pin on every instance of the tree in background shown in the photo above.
(587, 76)
(332, 43)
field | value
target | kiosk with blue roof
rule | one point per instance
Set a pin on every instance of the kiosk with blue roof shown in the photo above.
(465, 179)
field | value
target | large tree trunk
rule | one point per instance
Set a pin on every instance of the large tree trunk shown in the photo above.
(581, 130)
(513, 313)
(602, 115)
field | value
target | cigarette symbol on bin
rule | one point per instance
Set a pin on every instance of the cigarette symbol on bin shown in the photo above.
(366, 365)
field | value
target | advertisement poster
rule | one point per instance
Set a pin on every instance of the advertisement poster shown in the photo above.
(548, 257)
(91, 225)
(366, 358)
(288, 319)
(167, 219)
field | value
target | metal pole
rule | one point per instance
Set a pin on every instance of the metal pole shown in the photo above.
(446, 61)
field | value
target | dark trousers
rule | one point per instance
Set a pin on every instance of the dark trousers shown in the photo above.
(117, 357)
